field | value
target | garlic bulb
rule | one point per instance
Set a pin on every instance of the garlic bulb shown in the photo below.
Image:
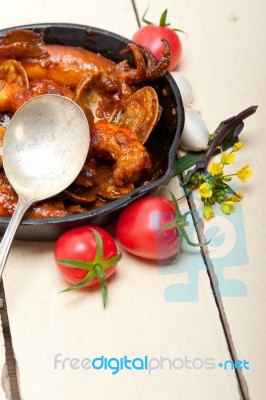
(184, 86)
(195, 135)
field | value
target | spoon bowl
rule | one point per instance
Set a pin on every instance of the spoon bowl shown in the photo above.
(44, 149)
(45, 146)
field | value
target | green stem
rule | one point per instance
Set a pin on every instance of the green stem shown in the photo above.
(95, 268)
(111, 261)
(144, 17)
(80, 284)
(103, 282)
(163, 19)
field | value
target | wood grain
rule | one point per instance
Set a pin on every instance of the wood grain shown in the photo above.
(157, 311)
(225, 60)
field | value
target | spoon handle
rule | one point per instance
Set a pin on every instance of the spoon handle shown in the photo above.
(22, 206)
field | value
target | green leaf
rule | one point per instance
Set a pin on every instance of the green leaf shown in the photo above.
(99, 247)
(103, 282)
(163, 19)
(225, 136)
(111, 261)
(188, 160)
(144, 17)
(87, 265)
(90, 275)
(232, 136)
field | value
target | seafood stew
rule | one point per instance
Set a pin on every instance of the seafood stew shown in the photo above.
(132, 104)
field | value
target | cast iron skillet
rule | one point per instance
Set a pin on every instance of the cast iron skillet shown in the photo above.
(161, 145)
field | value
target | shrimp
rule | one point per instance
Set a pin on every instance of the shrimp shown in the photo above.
(122, 146)
(121, 113)
(69, 64)
(13, 95)
(66, 65)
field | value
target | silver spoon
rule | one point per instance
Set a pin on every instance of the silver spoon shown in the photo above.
(44, 149)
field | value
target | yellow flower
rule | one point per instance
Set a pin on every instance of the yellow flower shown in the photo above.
(215, 168)
(237, 146)
(228, 158)
(227, 207)
(208, 212)
(244, 173)
(205, 190)
(236, 198)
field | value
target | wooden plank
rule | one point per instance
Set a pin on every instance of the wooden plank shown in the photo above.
(48, 327)
(103, 14)
(224, 59)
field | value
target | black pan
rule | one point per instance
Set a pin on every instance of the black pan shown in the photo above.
(161, 145)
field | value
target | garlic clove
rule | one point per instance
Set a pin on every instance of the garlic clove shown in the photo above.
(195, 136)
(184, 86)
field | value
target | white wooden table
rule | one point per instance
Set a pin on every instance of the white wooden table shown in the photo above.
(148, 314)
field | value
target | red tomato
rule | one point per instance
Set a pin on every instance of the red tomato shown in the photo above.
(150, 36)
(140, 230)
(86, 256)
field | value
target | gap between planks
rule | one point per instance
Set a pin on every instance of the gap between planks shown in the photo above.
(136, 12)
(214, 283)
(9, 353)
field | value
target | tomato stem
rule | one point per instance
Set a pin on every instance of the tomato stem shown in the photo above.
(103, 282)
(95, 268)
(180, 222)
(162, 22)
(90, 275)
(144, 17)
(163, 19)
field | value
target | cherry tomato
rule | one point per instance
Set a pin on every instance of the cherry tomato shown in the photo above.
(140, 228)
(150, 36)
(86, 256)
